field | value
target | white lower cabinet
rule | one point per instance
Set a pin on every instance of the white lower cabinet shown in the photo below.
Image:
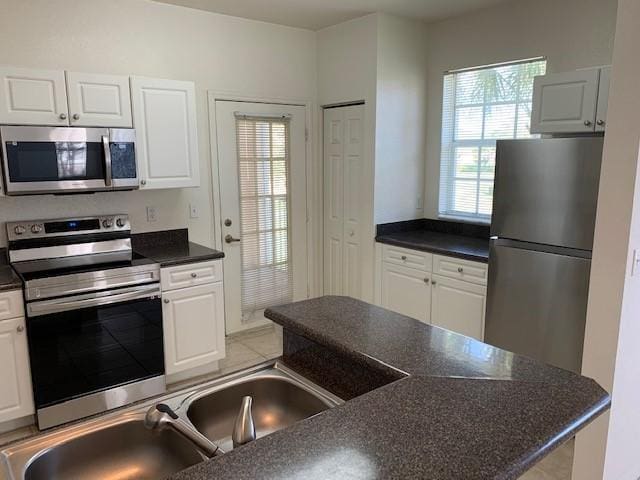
(458, 306)
(16, 399)
(193, 321)
(443, 291)
(406, 291)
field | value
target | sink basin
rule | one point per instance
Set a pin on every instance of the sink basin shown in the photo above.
(277, 403)
(119, 447)
(124, 451)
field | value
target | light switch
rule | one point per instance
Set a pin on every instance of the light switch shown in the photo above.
(193, 211)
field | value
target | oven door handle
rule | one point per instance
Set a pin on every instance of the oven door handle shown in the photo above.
(46, 307)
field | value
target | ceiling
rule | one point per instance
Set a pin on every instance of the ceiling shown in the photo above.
(317, 14)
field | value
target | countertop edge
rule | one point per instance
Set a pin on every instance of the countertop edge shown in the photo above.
(431, 249)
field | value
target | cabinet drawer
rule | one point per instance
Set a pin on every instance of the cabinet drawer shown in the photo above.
(408, 258)
(474, 272)
(190, 275)
(11, 305)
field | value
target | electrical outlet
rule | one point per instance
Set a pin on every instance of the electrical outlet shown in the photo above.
(152, 215)
(193, 211)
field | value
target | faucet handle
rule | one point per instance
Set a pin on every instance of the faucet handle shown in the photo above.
(244, 429)
(164, 408)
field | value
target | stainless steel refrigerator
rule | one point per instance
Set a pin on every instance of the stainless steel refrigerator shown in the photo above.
(544, 210)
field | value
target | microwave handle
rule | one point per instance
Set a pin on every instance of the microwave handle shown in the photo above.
(107, 160)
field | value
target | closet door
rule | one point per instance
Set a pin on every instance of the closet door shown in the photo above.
(343, 200)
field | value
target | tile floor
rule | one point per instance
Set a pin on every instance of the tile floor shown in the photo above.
(256, 346)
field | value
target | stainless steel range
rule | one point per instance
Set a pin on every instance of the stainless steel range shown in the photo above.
(94, 317)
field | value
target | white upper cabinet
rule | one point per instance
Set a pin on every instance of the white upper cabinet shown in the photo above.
(98, 100)
(603, 99)
(565, 102)
(32, 97)
(164, 116)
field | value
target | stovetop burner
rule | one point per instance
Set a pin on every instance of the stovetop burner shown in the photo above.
(23, 270)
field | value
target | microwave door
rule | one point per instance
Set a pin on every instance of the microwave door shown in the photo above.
(122, 159)
(53, 160)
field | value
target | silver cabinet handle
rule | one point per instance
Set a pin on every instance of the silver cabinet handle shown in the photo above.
(194, 275)
(587, 123)
(460, 269)
(433, 282)
(403, 257)
(76, 116)
(63, 116)
(143, 182)
(20, 328)
(229, 239)
(600, 122)
(426, 280)
(166, 300)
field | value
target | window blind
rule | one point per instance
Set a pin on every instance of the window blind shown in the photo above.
(263, 178)
(481, 105)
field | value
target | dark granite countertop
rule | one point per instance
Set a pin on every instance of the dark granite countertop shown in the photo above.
(454, 239)
(461, 409)
(172, 247)
(9, 280)
(453, 245)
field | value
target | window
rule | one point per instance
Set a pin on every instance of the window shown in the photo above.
(481, 105)
(263, 176)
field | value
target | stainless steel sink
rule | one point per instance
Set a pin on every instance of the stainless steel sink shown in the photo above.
(278, 401)
(119, 446)
(124, 450)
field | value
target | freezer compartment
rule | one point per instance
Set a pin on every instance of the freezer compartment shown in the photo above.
(537, 302)
(546, 191)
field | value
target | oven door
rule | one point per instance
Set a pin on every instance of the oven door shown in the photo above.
(86, 344)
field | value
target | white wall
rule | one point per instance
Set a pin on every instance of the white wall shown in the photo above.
(140, 37)
(400, 119)
(347, 68)
(613, 327)
(570, 33)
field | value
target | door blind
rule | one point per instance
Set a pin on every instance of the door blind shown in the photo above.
(263, 176)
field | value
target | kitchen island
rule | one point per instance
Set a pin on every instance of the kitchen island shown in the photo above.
(422, 402)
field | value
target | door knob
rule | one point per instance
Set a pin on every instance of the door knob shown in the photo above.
(460, 269)
(600, 122)
(63, 116)
(76, 116)
(166, 300)
(194, 275)
(20, 328)
(587, 123)
(230, 239)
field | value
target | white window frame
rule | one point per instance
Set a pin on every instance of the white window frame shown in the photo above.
(450, 143)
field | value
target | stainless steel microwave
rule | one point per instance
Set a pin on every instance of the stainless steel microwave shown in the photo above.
(67, 159)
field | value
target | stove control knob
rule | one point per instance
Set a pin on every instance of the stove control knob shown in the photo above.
(19, 229)
(36, 228)
(120, 222)
(107, 223)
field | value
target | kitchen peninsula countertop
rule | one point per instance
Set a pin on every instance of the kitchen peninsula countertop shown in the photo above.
(459, 409)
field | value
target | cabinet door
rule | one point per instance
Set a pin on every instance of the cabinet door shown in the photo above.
(16, 399)
(603, 99)
(164, 116)
(343, 200)
(193, 321)
(406, 291)
(98, 100)
(565, 102)
(32, 97)
(458, 306)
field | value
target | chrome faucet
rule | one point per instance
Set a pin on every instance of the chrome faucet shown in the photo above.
(244, 430)
(161, 416)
